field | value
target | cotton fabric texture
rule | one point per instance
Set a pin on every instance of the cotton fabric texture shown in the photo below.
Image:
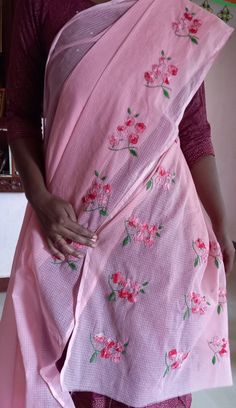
(145, 313)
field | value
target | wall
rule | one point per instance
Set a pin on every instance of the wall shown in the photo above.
(12, 207)
(221, 108)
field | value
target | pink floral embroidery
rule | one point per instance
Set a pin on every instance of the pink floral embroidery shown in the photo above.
(124, 288)
(219, 347)
(141, 232)
(174, 360)
(201, 251)
(222, 300)
(107, 348)
(195, 304)
(127, 134)
(70, 260)
(187, 26)
(215, 252)
(160, 74)
(98, 196)
(163, 178)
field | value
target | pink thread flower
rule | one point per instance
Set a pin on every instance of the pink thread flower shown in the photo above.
(107, 348)
(124, 288)
(219, 347)
(174, 360)
(187, 26)
(133, 138)
(98, 196)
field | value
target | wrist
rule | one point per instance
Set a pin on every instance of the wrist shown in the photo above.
(36, 197)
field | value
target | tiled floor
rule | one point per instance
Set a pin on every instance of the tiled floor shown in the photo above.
(222, 397)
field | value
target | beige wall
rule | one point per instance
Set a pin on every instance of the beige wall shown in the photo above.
(221, 108)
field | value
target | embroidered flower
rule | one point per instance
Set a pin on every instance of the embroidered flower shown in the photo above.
(187, 26)
(163, 178)
(174, 360)
(195, 304)
(124, 288)
(215, 252)
(98, 196)
(222, 300)
(219, 347)
(160, 75)
(127, 135)
(107, 348)
(141, 232)
(201, 251)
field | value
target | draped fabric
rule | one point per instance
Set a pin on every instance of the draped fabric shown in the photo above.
(145, 313)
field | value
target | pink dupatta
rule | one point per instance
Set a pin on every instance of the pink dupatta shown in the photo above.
(145, 313)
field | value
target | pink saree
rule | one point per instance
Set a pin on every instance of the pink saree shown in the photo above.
(145, 312)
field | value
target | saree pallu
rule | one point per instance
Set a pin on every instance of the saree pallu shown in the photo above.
(145, 313)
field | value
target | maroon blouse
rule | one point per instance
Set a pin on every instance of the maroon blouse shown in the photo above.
(35, 25)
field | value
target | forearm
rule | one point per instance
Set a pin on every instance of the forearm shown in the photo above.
(28, 156)
(206, 180)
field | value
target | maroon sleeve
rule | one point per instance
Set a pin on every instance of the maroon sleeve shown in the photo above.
(195, 130)
(24, 87)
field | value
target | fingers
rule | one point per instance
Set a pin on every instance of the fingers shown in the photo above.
(61, 249)
(78, 238)
(75, 228)
(54, 251)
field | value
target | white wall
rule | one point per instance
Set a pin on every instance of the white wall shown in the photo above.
(221, 108)
(12, 207)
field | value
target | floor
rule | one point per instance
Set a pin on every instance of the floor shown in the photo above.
(218, 398)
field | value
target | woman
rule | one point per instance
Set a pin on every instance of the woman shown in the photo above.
(137, 274)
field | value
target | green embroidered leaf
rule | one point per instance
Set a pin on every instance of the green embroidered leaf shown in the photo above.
(162, 53)
(126, 344)
(186, 8)
(208, 304)
(186, 314)
(214, 360)
(129, 111)
(103, 212)
(123, 352)
(194, 40)
(158, 235)
(217, 263)
(169, 58)
(173, 181)
(137, 115)
(93, 359)
(142, 290)
(72, 265)
(145, 283)
(149, 184)
(96, 173)
(161, 227)
(103, 178)
(166, 93)
(133, 152)
(127, 240)
(112, 297)
(196, 262)
(166, 372)
(219, 309)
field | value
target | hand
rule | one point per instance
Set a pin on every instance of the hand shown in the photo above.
(59, 223)
(227, 248)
